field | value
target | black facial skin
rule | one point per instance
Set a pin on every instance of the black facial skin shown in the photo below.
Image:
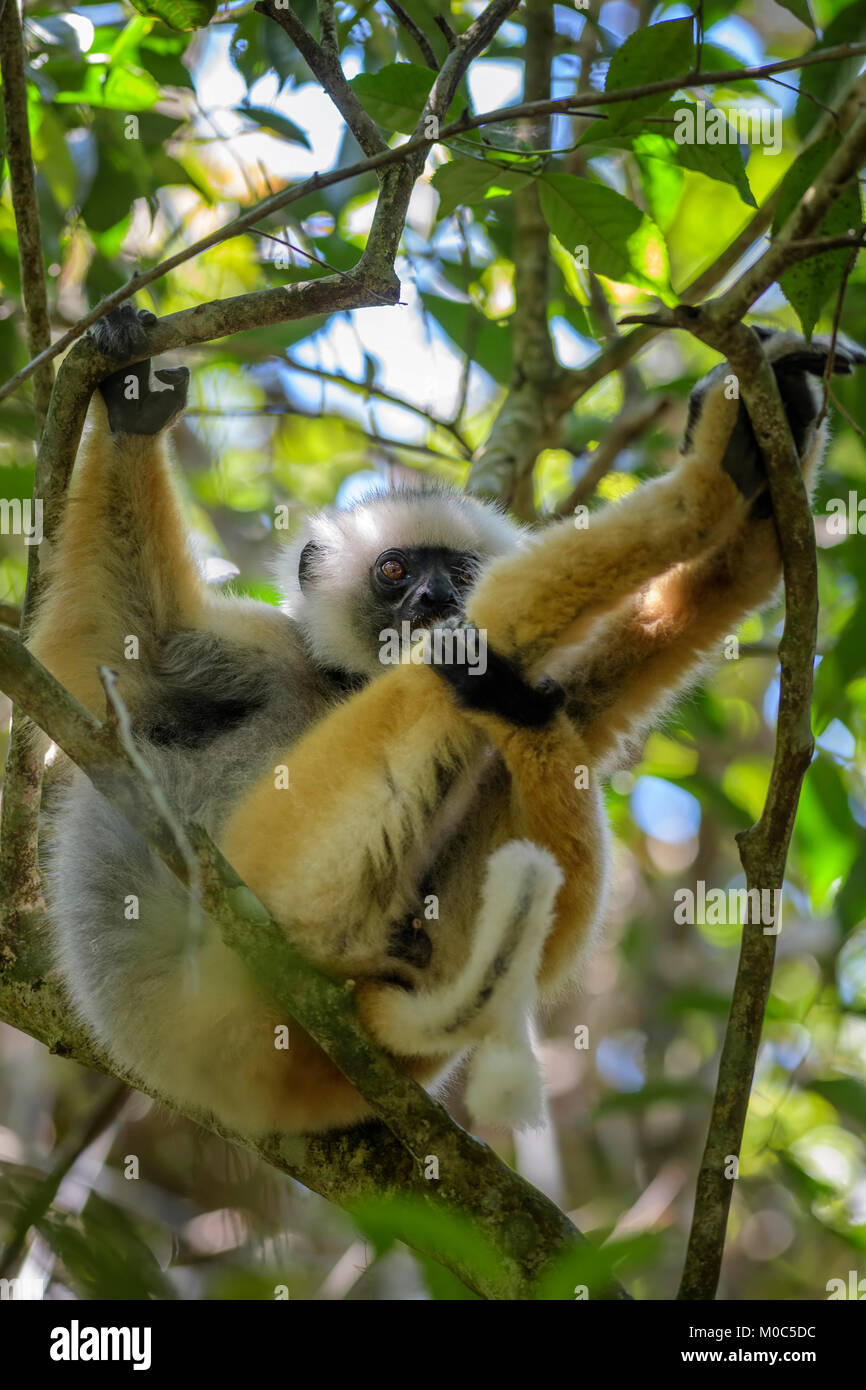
(427, 586)
(421, 585)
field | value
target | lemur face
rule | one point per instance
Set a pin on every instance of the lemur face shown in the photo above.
(420, 585)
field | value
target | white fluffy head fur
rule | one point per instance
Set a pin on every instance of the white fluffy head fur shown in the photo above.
(347, 543)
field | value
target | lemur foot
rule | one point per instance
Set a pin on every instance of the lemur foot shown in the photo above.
(491, 684)
(409, 941)
(794, 362)
(138, 401)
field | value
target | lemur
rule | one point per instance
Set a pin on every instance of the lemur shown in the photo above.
(351, 795)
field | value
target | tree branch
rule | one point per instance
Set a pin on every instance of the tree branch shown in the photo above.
(323, 60)
(417, 33)
(418, 142)
(763, 848)
(22, 784)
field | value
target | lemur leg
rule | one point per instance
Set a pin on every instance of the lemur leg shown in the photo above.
(374, 769)
(492, 999)
(120, 566)
(642, 656)
(548, 595)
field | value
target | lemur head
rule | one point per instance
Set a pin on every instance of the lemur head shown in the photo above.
(405, 556)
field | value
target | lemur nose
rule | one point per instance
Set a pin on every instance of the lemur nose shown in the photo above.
(436, 596)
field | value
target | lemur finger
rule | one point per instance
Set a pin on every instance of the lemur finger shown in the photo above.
(497, 686)
(122, 333)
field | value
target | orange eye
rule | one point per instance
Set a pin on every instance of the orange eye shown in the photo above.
(392, 569)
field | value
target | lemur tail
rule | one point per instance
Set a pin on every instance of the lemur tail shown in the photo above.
(490, 1001)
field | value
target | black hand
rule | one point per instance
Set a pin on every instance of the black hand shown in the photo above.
(500, 689)
(134, 407)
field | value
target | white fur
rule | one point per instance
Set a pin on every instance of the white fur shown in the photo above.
(350, 541)
(504, 1086)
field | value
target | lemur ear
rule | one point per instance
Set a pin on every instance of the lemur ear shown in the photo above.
(306, 564)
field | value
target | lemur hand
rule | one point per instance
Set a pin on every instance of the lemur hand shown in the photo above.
(138, 401)
(794, 362)
(497, 687)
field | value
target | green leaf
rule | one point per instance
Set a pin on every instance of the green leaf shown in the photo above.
(179, 14)
(800, 10)
(678, 1092)
(724, 163)
(434, 1230)
(809, 285)
(257, 48)
(846, 1093)
(825, 837)
(395, 95)
(103, 1253)
(124, 89)
(648, 55)
(465, 181)
(850, 902)
(280, 125)
(623, 243)
(845, 663)
(661, 177)
(825, 83)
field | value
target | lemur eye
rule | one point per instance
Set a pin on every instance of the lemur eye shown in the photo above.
(392, 569)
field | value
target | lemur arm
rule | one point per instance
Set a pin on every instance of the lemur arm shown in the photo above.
(637, 660)
(549, 595)
(121, 566)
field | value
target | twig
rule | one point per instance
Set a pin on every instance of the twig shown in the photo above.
(837, 315)
(32, 1212)
(340, 380)
(631, 424)
(417, 33)
(317, 260)
(323, 60)
(398, 155)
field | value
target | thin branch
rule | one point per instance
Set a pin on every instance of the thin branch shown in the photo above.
(370, 390)
(397, 155)
(323, 60)
(32, 1211)
(417, 33)
(317, 260)
(22, 788)
(837, 317)
(24, 202)
(763, 848)
(632, 423)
